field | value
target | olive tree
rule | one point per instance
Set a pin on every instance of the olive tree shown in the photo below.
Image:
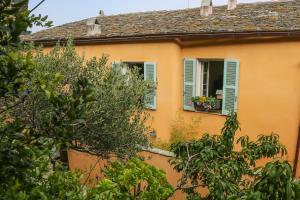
(112, 120)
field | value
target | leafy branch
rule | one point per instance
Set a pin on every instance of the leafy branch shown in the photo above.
(213, 163)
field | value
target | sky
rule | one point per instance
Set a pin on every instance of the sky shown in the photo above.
(64, 11)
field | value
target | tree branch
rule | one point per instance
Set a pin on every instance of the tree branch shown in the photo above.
(91, 170)
(189, 187)
(184, 176)
(14, 105)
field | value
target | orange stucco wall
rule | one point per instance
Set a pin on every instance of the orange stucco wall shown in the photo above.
(268, 91)
(269, 87)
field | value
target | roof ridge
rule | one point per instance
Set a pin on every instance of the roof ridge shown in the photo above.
(194, 8)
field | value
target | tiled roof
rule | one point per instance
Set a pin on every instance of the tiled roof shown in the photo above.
(255, 17)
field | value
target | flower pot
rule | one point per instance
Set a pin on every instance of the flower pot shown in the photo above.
(217, 105)
(198, 106)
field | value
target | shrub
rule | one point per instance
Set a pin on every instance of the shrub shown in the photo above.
(181, 131)
(134, 179)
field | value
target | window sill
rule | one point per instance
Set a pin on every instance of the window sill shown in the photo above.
(208, 113)
(151, 109)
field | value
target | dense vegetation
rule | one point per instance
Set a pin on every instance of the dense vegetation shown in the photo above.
(213, 162)
(99, 109)
(52, 101)
(133, 180)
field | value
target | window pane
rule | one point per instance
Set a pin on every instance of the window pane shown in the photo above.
(204, 79)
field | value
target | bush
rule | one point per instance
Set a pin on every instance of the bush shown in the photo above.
(134, 179)
(274, 181)
(60, 185)
(181, 131)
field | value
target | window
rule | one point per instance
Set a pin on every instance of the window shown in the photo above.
(210, 85)
(138, 65)
(148, 72)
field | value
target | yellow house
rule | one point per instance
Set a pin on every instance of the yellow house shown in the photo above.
(246, 58)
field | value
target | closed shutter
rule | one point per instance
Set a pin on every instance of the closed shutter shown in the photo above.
(150, 75)
(189, 80)
(230, 86)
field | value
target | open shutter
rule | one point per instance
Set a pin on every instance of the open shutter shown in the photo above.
(189, 81)
(230, 86)
(150, 75)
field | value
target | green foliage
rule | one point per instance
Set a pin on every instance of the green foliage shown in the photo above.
(43, 106)
(23, 160)
(95, 105)
(15, 19)
(107, 189)
(274, 181)
(181, 131)
(15, 69)
(212, 162)
(204, 103)
(60, 116)
(60, 185)
(24, 157)
(134, 179)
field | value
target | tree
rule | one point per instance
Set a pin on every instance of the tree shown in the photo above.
(214, 163)
(111, 120)
(274, 181)
(23, 157)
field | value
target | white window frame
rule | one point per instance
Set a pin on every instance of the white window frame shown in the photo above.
(198, 88)
(200, 77)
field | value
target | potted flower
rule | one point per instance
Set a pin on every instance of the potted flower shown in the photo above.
(196, 102)
(207, 104)
(200, 103)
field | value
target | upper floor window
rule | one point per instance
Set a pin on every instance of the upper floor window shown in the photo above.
(147, 70)
(210, 85)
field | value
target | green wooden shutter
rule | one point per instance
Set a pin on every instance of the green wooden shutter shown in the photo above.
(189, 80)
(230, 86)
(150, 75)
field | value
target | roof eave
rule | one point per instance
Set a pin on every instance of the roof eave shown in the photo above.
(172, 37)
